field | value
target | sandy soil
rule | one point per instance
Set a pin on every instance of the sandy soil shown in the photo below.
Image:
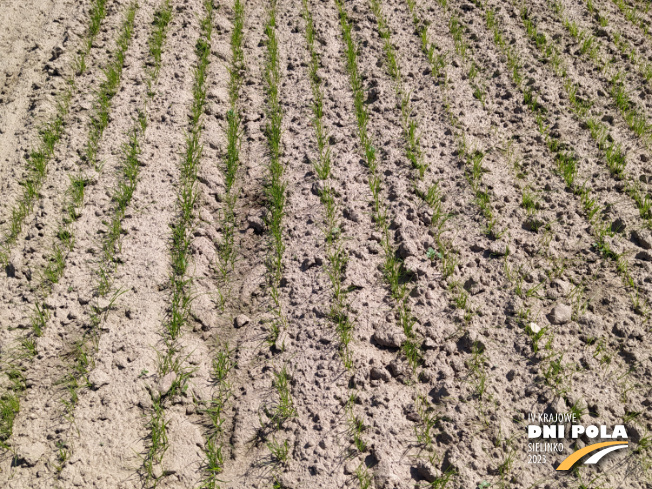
(482, 366)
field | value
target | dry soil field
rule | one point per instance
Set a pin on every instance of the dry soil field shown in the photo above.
(323, 243)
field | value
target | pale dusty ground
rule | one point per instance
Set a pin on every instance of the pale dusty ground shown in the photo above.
(604, 346)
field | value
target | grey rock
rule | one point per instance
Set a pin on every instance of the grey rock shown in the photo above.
(560, 314)
(241, 321)
(351, 214)
(414, 266)
(165, 384)
(389, 339)
(318, 188)
(473, 287)
(408, 248)
(618, 226)
(441, 392)
(396, 368)
(644, 255)
(384, 476)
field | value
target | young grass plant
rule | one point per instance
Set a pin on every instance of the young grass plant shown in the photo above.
(633, 116)
(275, 186)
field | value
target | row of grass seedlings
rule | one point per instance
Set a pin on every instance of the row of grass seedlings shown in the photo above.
(56, 260)
(275, 186)
(214, 447)
(281, 410)
(470, 156)
(614, 156)
(392, 267)
(49, 135)
(82, 359)
(336, 253)
(642, 65)
(172, 361)
(227, 251)
(635, 119)
(555, 372)
(445, 252)
(223, 362)
(413, 148)
(414, 154)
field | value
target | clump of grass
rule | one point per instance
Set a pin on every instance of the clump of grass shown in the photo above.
(213, 450)
(567, 164)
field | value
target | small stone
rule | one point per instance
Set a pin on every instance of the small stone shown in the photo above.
(644, 255)
(384, 476)
(166, 382)
(241, 321)
(98, 378)
(31, 454)
(561, 314)
(157, 471)
(318, 188)
(351, 214)
(396, 368)
(618, 226)
(499, 248)
(389, 339)
(643, 238)
(473, 287)
(256, 223)
(351, 466)
(426, 471)
(414, 266)
(535, 328)
(408, 248)
(379, 374)
(644, 158)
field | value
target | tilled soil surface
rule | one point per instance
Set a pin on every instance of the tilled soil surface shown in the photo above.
(519, 290)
